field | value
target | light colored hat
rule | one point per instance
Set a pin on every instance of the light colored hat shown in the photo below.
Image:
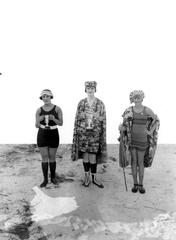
(90, 84)
(136, 93)
(47, 92)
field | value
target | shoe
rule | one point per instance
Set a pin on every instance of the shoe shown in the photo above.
(86, 180)
(54, 181)
(86, 184)
(44, 183)
(97, 183)
(100, 185)
(141, 189)
(135, 188)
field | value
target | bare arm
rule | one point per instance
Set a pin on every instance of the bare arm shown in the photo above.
(38, 118)
(151, 113)
(59, 121)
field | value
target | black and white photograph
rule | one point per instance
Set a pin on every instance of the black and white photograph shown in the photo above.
(87, 123)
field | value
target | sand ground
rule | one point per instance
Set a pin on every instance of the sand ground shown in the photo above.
(70, 211)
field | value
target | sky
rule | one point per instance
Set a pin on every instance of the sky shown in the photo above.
(123, 45)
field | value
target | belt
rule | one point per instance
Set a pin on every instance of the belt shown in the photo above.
(48, 127)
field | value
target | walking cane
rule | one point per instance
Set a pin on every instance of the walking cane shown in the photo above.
(123, 159)
(125, 179)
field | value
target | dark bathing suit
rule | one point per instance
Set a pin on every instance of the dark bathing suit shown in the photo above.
(138, 136)
(48, 137)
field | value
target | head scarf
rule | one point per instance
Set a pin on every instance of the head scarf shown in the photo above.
(136, 93)
(90, 84)
(47, 92)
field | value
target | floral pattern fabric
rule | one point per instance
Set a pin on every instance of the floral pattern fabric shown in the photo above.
(90, 140)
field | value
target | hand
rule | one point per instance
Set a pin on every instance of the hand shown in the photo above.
(82, 115)
(88, 115)
(42, 117)
(51, 117)
(96, 115)
(148, 132)
(120, 127)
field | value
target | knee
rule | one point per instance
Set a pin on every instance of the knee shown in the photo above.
(141, 163)
(133, 162)
(52, 158)
(141, 160)
(44, 157)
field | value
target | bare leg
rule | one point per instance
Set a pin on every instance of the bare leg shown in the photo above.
(141, 170)
(134, 165)
(52, 162)
(52, 154)
(141, 165)
(134, 169)
(44, 153)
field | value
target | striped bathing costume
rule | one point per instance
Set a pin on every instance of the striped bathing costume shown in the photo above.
(139, 125)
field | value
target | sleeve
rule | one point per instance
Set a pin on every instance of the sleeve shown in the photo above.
(80, 111)
(153, 126)
(75, 144)
(103, 112)
(102, 155)
(127, 115)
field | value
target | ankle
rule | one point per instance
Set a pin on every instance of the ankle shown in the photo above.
(135, 188)
(141, 189)
(44, 183)
(96, 182)
(86, 178)
(54, 180)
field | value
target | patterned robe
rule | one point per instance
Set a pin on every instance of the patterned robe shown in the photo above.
(125, 138)
(90, 140)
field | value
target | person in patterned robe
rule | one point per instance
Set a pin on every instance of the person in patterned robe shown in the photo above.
(89, 137)
(139, 133)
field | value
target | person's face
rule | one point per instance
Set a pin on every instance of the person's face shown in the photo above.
(137, 99)
(46, 98)
(90, 90)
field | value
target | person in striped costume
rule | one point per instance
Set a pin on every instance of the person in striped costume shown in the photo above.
(140, 125)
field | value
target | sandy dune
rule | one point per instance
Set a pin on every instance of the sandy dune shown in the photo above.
(71, 211)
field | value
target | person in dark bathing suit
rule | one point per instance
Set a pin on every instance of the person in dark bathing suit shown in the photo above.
(48, 117)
